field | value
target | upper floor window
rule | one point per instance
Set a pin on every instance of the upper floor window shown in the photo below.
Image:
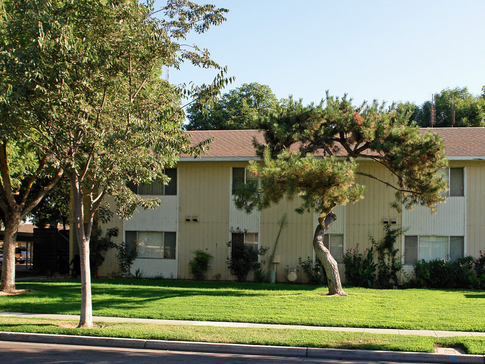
(241, 176)
(456, 181)
(157, 188)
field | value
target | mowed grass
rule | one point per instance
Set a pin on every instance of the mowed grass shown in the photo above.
(251, 336)
(456, 310)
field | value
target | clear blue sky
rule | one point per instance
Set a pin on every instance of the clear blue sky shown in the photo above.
(386, 50)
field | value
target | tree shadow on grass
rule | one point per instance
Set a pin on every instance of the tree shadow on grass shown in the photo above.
(475, 295)
(128, 297)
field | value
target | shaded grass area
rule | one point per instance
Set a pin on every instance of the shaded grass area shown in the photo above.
(253, 336)
(456, 310)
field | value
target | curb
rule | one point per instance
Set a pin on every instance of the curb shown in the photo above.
(285, 351)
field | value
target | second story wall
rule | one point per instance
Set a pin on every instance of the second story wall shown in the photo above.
(204, 191)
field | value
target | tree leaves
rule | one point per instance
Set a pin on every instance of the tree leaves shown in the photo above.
(311, 152)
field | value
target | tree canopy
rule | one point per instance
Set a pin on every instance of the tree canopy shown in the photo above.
(312, 151)
(241, 108)
(450, 107)
(92, 91)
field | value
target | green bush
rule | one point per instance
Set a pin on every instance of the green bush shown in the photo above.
(360, 269)
(199, 265)
(126, 256)
(243, 260)
(315, 273)
(388, 263)
(445, 273)
(480, 265)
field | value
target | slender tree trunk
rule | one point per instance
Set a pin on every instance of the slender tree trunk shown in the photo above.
(86, 317)
(323, 254)
(8, 264)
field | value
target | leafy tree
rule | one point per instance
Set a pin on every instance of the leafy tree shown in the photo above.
(23, 167)
(53, 209)
(468, 110)
(97, 100)
(25, 164)
(241, 108)
(311, 152)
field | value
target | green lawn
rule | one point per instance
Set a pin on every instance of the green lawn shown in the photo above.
(253, 336)
(459, 310)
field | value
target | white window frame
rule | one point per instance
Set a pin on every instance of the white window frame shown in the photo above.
(447, 174)
(245, 236)
(136, 188)
(162, 247)
(246, 177)
(419, 237)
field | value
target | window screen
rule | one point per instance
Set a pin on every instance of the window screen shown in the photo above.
(237, 178)
(410, 249)
(457, 185)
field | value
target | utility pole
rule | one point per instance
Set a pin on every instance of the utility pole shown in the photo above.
(452, 110)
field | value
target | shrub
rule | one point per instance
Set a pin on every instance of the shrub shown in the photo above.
(243, 260)
(199, 265)
(126, 256)
(360, 269)
(445, 273)
(259, 275)
(388, 264)
(98, 246)
(314, 273)
(480, 265)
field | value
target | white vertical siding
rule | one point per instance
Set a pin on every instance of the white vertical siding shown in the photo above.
(163, 218)
(242, 220)
(449, 219)
(166, 268)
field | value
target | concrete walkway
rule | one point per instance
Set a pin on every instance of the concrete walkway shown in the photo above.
(444, 355)
(432, 333)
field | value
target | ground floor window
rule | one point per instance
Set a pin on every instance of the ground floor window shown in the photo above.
(432, 247)
(248, 239)
(152, 244)
(239, 240)
(335, 243)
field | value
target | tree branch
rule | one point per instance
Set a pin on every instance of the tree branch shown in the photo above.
(386, 183)
(5, 173)
(32, 179)
(42, 193)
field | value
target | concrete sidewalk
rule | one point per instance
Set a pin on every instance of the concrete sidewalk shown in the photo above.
(432, 333)
(443, 356)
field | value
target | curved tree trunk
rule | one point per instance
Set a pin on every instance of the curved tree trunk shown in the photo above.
(323, 254)
(8, 264)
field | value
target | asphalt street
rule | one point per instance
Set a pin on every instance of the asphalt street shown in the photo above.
(23, 353)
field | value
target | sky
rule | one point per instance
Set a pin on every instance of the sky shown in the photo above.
(385, 50)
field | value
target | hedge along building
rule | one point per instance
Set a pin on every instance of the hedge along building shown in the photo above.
(198, 212)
